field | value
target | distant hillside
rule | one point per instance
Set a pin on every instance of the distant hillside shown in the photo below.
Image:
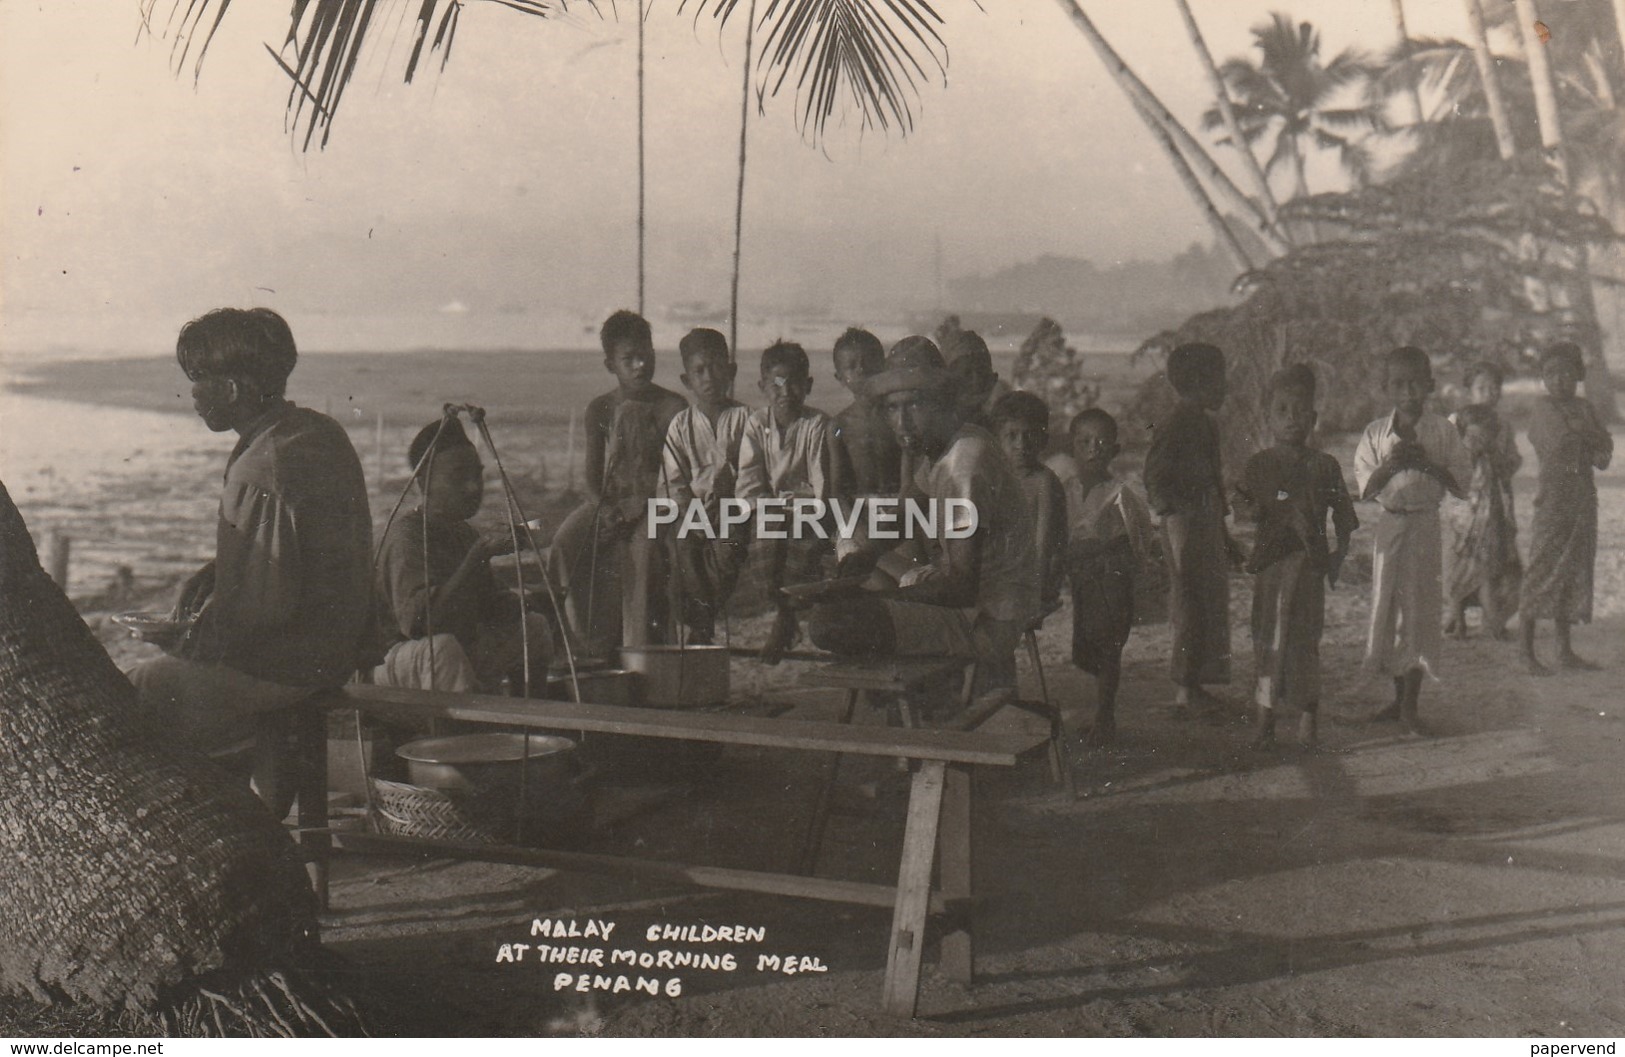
(1132, 297)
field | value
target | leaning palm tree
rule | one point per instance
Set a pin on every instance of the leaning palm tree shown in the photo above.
(1289, 93)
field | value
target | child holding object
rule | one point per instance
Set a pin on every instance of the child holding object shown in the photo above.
(1406, 461)
(1291, 487)
(1109, 531)
(701, 464)
(602, 553)
(1483, 533)
(784, 454)
(1570, 442)
(1021, 423)
(1184, 483)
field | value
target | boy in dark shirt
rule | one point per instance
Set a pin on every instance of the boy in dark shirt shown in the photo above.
(1291, 488)
(1184, 484)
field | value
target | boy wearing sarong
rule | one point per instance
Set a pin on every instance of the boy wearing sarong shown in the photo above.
(282, 610)
(1290, 488)
(1184, 483)
(702, 465)
(602, 554)
(785, 455)
(1570, 442)
(1406, 461)
(1483, 533)
(1484, 565)
(1109, 535)
(864, 457)
(1021, 422)
(445, 623)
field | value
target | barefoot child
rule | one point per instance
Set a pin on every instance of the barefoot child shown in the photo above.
(1569, 441)
(1406, 461)
(1109, 529)
(1483, 535)
(1291, 487)
(1185, 485)
(702, 463)
(864, 457)
(1021, 423)
(785, 454)
(604, 557)
(1484, 565)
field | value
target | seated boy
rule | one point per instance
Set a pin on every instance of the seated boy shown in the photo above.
(1021, 422)
(864, 457)
(601, 554)
(444, 622)
(702, 464)
(785, 454)
(282, 610)
(1110, 537)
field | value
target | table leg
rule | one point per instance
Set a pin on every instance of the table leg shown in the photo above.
(957, 871)
(807, 861)
(901, 994)
(310, 734)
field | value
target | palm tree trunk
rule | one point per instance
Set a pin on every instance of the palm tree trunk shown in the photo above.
(133, 875)
(739, 194)
(1493, 99)
(1599, 382)
(1405, 53)
(1232, 126)
(1153, 110)
(1193, 184)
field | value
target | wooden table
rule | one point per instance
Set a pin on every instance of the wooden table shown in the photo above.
(937, 828)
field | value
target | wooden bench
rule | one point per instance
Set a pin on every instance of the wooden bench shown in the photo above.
(937, 827)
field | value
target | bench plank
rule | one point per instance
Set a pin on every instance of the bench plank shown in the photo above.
(943, 745)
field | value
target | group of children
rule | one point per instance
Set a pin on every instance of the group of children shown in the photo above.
(1092, 531)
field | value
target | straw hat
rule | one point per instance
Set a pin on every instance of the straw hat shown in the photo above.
(913, 363)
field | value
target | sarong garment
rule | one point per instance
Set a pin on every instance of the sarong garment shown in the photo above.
(1289, 614)
(1407, 596)
(1563, 537)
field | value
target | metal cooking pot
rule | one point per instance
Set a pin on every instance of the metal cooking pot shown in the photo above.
(517, 786)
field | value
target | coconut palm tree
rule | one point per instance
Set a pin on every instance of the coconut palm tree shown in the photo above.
(1232, 124)
(1494, 101)
(1288, 94)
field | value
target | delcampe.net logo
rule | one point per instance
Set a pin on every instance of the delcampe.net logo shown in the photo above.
(774, 517)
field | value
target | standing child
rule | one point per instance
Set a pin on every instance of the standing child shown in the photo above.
(1110, 532)
(702, 464)
(979, 387)
(1483, 534)
(864, 457)
(1291, 488)
(1021, 423)
(1569, 441)
(605, 559)
(1184, 482)
(1406, 461)
(784, 454)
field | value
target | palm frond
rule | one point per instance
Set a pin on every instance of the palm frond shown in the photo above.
(871, 55)
(324, 42)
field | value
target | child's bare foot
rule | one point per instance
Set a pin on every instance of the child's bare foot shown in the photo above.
(1457, 630)
(1265, 740)
(1386, 714)
(1533, 666)
(1101, 732)
(1503, 635)
(1575, 663)
(1416, 728)
(1308, 732)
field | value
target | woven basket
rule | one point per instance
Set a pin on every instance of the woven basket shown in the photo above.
(413, 811)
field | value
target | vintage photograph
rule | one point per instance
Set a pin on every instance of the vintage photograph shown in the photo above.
(812, 518)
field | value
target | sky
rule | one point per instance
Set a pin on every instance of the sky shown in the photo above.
(494, 204)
